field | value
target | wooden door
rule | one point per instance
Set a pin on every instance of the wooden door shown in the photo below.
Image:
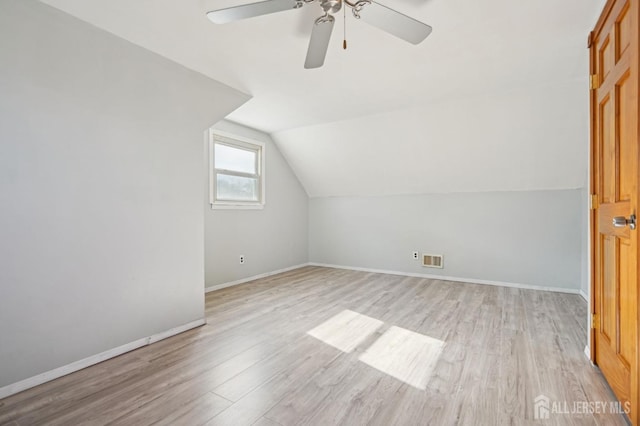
(614, 114)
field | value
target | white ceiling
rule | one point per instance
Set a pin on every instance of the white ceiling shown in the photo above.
(478, 49)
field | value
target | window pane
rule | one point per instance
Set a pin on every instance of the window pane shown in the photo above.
(236, 188)
(237, 160)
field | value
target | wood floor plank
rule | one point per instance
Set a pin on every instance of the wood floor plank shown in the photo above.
(260, 400)
(263, 421)
(197, 412)
(256, 363)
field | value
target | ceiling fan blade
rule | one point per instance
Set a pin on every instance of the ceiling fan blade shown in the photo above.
(319, 42)
(395, 23)
(230, 14)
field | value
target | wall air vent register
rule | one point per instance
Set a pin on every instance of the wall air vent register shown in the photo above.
(432, 261)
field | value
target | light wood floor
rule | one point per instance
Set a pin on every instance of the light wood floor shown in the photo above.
(387, 350)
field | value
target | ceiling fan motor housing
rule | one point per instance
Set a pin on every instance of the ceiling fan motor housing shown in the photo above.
(331, 6)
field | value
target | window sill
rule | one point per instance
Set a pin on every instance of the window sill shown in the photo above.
(237, 206)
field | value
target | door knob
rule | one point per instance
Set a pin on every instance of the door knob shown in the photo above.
(621, 221)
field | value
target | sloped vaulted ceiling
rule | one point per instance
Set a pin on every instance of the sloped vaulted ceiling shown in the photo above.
(495, 99)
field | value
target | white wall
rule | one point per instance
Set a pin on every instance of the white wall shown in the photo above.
(529, 138)
(585, 269)
(463, 164)
(531, 238)
(101, 225)
(271, 239)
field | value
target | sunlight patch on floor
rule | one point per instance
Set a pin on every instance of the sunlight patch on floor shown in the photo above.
(405, 355)
(346, 330)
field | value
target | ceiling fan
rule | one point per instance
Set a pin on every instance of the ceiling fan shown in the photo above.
(374, 13)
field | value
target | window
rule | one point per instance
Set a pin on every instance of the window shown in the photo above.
(237, 167)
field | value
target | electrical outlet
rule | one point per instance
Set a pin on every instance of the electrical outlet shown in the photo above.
(242, 259)
(415, 255)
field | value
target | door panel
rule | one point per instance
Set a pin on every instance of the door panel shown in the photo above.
(627, 163)
(607, 137)
(606, 58)
(627, 346)
(614, 62)
(609, 291)
(624, 29)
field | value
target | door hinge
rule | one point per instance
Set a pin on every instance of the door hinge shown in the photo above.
(594, 321)
(593, 201)
(594, 82)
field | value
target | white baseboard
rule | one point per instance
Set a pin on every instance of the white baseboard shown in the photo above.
(587, 352)
(456, 279)
(94, 359)
(584, 296)
(255, 277)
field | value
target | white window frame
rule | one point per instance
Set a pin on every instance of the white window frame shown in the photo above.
(216, 136)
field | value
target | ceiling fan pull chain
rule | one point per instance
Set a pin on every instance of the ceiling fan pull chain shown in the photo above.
(344, 40)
